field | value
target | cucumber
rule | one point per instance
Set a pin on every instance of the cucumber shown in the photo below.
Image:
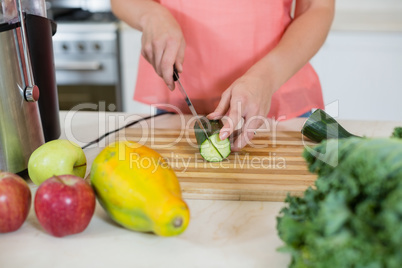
(207, 151)
(321, 126)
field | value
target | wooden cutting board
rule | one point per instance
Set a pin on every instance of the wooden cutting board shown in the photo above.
(266, 170)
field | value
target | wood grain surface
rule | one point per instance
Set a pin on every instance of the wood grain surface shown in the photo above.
(267, 169)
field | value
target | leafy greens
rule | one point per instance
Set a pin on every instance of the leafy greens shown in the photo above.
(353, 216)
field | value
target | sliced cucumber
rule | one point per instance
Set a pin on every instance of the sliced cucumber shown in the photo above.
(209, 153)
(220, 148)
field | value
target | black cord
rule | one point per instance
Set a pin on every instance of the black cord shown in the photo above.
(125, 126)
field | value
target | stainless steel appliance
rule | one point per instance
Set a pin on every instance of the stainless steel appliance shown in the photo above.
(86, 52)
(28, 97)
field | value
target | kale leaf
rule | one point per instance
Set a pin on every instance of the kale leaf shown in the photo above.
(353, 216)
(397, 133)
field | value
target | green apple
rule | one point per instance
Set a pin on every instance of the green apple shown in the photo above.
(57, 157)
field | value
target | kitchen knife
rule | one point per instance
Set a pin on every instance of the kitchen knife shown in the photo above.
(192, 109)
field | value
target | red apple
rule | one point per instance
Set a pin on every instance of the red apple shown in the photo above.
(15, 202)
(64, 205)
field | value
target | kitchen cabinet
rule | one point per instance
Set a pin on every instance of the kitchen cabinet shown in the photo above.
(360, 63)
(368, 15)
(360, 73)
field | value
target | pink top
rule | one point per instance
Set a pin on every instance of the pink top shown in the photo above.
(224, 39)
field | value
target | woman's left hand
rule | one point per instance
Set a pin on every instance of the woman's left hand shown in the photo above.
(249, 97)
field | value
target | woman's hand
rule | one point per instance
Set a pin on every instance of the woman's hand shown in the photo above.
(162, 39)
(163, 44)
(249, 97)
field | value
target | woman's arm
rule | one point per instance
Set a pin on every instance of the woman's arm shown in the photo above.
(249, 97)
(162, 39)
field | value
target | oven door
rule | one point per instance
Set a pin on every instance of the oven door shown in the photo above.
(88, 83)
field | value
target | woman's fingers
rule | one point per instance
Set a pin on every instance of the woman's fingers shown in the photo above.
(222, 107)
(163, 46)
(247, 98)
(233, 119)
(168, 60)
(180, 56)
(252, 123)
(147, 49)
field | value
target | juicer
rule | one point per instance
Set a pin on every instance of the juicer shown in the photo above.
(29, 112)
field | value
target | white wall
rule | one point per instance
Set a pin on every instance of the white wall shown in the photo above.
(362, 71)
(360, 64)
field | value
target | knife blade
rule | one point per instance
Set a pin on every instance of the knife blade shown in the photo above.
(192, 109)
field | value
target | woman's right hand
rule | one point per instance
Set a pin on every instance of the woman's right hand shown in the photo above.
(163, 43)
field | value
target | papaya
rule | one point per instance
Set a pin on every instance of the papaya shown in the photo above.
(138, 189)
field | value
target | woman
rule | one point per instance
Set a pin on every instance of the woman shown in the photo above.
(241, 58)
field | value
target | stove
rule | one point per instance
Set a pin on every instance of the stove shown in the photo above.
(86, 55)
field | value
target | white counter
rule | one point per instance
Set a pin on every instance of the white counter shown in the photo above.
(220, 233)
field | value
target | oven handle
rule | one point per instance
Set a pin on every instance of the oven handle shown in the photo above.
(78, 66)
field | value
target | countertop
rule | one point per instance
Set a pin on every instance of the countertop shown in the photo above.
(220, 233)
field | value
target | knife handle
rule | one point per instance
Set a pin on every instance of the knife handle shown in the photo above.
(175, 73)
